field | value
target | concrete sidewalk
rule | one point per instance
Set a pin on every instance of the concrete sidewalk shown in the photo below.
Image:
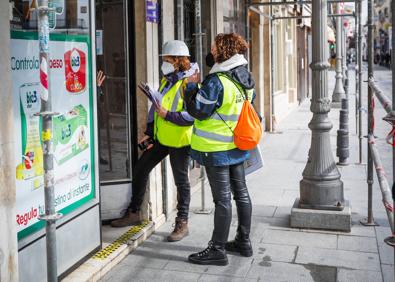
(280, 253)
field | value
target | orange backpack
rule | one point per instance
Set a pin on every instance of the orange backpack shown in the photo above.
(248, 130)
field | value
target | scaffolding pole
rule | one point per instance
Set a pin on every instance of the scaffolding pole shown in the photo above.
(356, 40)
(370, 220)
(50, 217)
(360, 136)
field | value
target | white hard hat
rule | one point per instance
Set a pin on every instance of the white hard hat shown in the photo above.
(175, 48)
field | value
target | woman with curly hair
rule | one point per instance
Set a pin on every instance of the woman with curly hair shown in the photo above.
(216, 106)
(169, 130)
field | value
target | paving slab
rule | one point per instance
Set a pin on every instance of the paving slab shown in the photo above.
(338, 258)
(386, 254)
(280, 272)
(270, 252)
(289, 196)
(283, 211)
(261, 224)
(127, 274)
(382, 233)
(143, 257)
(388, 272)
(262, 210)
(296, 238)
(356, 243)
(356, 230)
(238, 267)
(347, 275)
(217, 278)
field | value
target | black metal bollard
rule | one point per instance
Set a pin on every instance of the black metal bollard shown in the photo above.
(342, 150)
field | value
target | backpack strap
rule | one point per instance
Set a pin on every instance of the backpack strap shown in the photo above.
(224, 121)
(242, 91)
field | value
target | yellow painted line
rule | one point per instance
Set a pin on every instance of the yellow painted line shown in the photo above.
(123, 239)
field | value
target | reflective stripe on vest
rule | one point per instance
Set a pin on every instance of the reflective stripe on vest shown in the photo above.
(212, 135)
(176, 101)
(166, 132)
(224, 117)
(215, 134)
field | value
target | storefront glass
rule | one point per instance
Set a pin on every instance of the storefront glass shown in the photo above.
(114, 104)
(71, 89)
(234, 16)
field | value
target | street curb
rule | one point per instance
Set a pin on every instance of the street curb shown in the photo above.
(94, 269)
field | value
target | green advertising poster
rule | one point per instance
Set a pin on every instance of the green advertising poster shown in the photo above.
(72, 132)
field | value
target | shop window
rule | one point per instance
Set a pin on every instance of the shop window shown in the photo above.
(234, 16)
(65, 78)
(74, 19)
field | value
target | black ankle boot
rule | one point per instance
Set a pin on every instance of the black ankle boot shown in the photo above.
(241, 244)
(212, 255)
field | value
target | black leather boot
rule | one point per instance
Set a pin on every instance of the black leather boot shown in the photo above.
(212, 255)
(241, 244)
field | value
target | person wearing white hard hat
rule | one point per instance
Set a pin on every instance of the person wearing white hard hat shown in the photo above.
(169, 131)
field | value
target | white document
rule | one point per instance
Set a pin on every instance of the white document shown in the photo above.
(194, 69)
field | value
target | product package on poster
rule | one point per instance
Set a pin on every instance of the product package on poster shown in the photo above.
(72, 130)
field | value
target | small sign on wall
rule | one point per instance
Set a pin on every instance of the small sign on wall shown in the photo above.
(152, 11)
(99, 42)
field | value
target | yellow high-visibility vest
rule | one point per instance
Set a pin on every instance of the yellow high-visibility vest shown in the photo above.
(213, 134)
(166, 132)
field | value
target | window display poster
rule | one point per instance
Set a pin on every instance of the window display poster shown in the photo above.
(72, 131)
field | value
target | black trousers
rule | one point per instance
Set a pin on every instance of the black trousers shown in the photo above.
(179, 160)
(225, 180)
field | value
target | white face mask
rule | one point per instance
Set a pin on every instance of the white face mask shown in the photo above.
(167, 68)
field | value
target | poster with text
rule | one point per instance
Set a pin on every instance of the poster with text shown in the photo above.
(72, 131)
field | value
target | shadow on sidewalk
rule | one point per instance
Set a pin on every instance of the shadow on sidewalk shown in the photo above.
(173, 246)
(158, 256)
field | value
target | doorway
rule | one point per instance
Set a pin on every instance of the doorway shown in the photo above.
(115, 114)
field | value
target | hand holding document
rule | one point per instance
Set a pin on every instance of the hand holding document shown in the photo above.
(192, 71)
(151, 94)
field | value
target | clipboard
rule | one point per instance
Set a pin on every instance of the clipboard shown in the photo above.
(254, 162)
(146, 90)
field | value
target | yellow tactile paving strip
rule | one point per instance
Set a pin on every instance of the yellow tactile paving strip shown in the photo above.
(123, 239)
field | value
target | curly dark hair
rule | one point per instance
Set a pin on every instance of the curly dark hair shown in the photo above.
(228, 45)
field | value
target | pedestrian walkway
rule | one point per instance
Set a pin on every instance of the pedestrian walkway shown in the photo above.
(280, 252)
